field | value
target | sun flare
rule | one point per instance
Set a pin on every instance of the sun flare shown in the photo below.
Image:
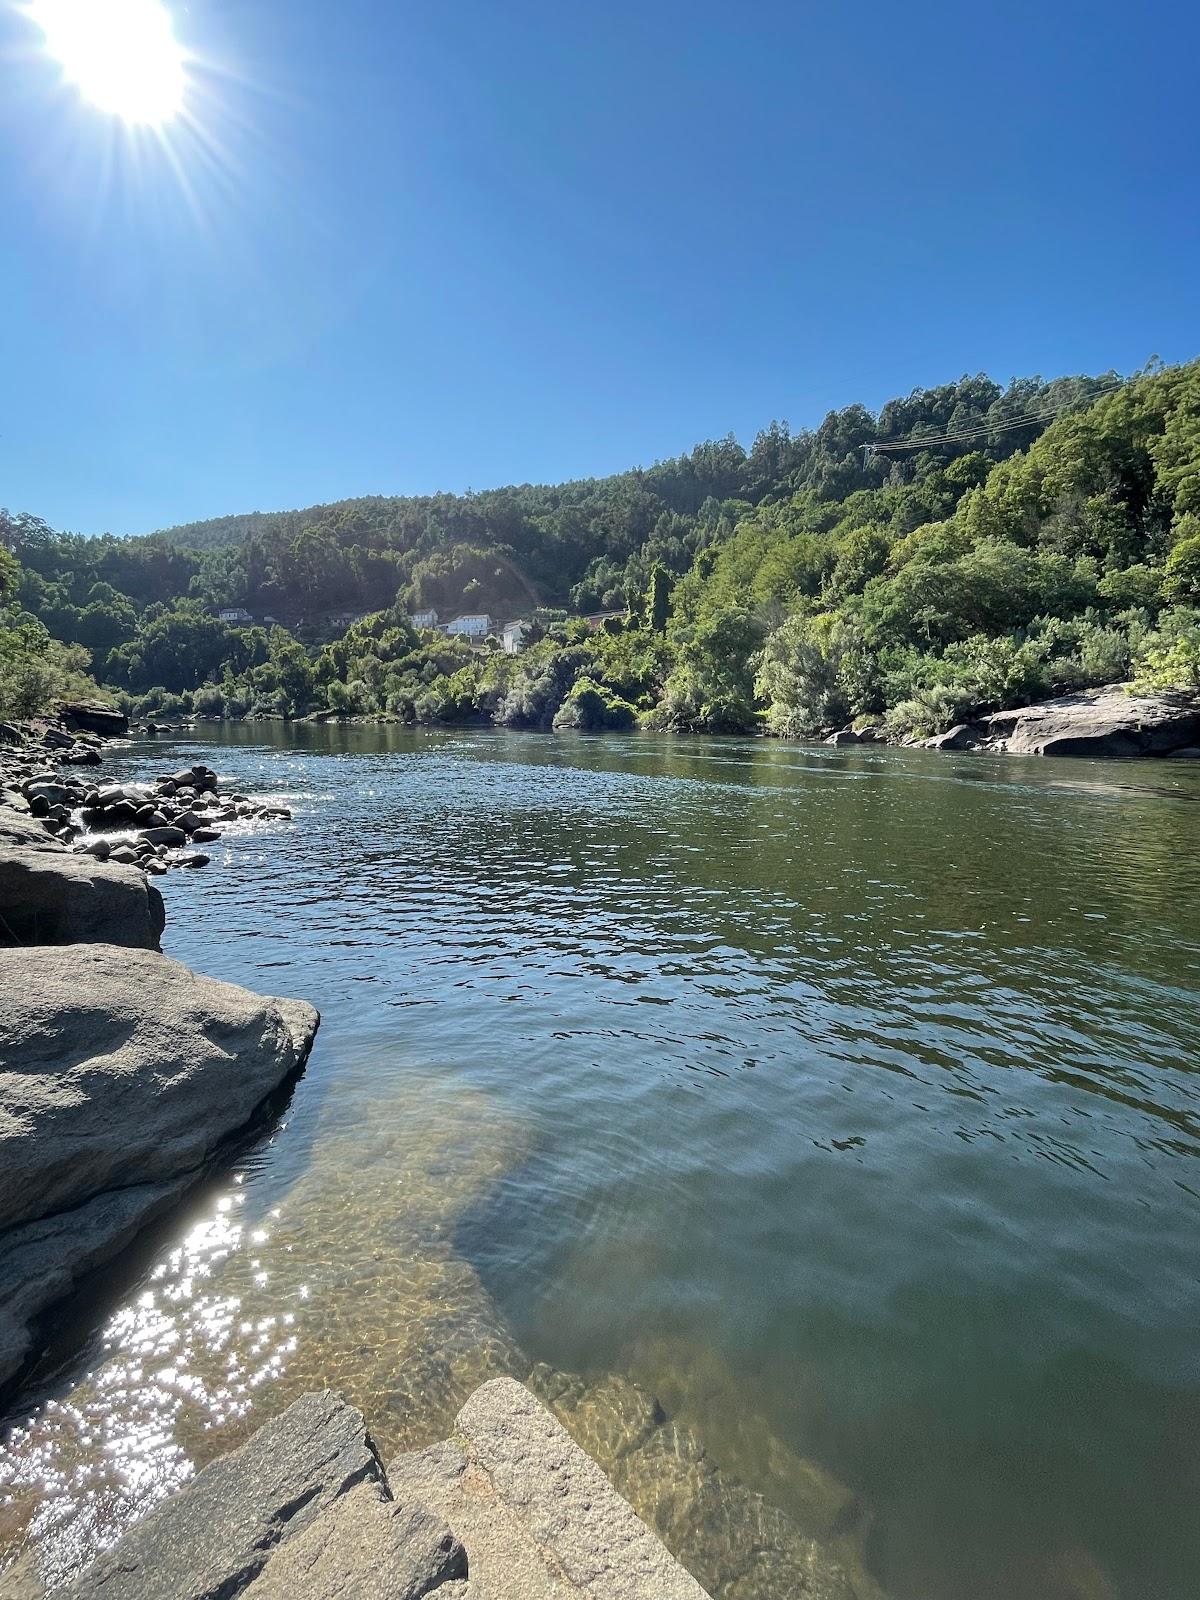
(121, 55)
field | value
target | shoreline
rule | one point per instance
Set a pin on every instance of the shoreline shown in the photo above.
(1113, 723)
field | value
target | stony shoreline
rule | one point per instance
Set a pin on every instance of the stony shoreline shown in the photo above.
(1111, 723)
(150, 825)
(122, 1073)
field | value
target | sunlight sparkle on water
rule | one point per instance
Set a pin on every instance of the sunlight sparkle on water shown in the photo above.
(122, 55)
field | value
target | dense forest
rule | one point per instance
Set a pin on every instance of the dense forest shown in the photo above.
(971, 547)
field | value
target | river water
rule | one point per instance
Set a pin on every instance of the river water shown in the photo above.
(845, 1101)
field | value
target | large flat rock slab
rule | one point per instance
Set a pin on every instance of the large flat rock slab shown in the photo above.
(536, 1514)
(1109, 723)
(368, 1547)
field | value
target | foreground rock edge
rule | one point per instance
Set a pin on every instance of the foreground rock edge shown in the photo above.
(122, 1074)
(513, 1509)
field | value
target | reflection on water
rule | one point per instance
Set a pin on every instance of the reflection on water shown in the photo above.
(833, 1112)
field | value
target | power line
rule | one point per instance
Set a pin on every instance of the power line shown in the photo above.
(983, 430)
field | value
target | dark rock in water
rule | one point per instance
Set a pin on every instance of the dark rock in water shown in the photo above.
(55, 794)
(119, 1070)
(124, 854)
(216, 1536)
(107, 721)
(193, 858)
(844, 736)
(165, 835)
(963, 736)
(206, 835)
(1190, 752)
(56, 897)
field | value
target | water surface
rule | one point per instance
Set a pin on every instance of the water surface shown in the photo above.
(843, 1100)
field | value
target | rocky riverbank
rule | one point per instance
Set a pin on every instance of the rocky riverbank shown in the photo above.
(1107, 724)
(122, 1073)
(1112, 723)
(508, 1508)
(151, 825)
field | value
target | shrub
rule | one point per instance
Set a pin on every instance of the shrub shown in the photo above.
(1181, 581)
(1170, 657)
(590, 707)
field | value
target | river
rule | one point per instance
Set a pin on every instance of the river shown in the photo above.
(844, 1100)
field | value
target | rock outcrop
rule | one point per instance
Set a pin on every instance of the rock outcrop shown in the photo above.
(508, 1509)
(121, 1073)
(108, 721)
(221, 1531)
(1098, 722)
(1110, 724)
(49, 896)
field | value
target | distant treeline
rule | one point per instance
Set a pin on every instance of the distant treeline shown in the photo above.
(968, 548)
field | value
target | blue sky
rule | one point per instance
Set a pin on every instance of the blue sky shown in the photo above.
(396, 248)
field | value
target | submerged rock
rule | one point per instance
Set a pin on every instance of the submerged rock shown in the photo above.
(120, 1071)
(737, 1542)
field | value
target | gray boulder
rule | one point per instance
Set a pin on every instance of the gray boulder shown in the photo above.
(164, 835)
(963, 736)
(121, 1067)
(50, 896)
(104, 720)
(121, 1075)
(1109, 722)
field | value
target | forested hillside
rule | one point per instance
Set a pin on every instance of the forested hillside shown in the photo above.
(969, 548)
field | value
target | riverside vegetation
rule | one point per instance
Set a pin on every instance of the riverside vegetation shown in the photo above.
(970, 549)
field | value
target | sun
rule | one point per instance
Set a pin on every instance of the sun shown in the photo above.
(122, 55)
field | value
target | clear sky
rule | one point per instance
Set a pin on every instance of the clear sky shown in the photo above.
(391, 248)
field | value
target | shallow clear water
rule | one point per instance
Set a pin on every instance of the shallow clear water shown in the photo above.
(844, 1100)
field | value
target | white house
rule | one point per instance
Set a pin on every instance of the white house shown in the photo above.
(424, 619)
(474, 625)
(234, 614)
(513, 636)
